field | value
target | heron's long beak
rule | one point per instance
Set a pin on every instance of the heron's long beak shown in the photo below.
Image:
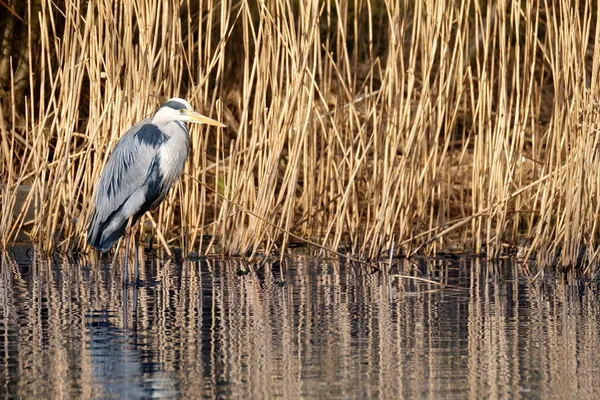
(201, 119)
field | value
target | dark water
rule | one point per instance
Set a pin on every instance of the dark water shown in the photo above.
(303, 329)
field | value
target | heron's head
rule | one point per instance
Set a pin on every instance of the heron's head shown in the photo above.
(177, 109)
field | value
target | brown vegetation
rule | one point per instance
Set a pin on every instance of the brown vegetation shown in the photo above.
(371, 126)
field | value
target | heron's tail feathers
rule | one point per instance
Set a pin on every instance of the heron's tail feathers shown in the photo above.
(102, 235)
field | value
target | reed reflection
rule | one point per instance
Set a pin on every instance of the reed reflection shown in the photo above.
(322, 329)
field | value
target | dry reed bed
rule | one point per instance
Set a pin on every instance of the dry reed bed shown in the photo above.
(370, 126)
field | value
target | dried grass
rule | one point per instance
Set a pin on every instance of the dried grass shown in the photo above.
(370, 127)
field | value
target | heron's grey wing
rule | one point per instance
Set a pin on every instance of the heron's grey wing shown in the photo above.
(124, 173)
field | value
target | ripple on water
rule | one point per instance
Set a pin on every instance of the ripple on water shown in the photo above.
(316, 329)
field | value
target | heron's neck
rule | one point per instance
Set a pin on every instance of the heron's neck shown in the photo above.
(174, 152)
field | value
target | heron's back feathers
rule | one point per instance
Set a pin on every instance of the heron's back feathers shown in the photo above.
(121, 190)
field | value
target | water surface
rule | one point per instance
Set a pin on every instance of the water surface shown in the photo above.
(304, 329)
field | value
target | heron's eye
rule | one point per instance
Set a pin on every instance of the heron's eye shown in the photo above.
(181, 111)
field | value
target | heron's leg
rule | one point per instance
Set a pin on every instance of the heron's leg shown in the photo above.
(125, 277)
(136, 263)
(127, 236)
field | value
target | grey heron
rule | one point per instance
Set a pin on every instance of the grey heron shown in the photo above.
(145, 163)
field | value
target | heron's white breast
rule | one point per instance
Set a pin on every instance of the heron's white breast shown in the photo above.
(172, 156)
